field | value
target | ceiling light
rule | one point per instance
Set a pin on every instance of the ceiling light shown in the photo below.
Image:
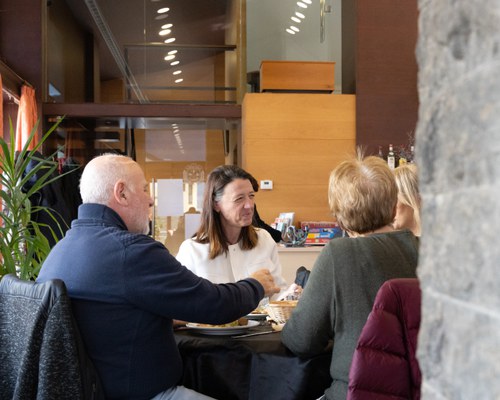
(178, 80)
(290, 31)
(173, 63)
(177, 72)
(163, 10)
(170, 40)
(295, 19)
(172, 52)
(307, 1)
(161, 16)
(302, 5)
(300, 15)
(167, 26)
(169, 57)
(165, 32)
(294, 28)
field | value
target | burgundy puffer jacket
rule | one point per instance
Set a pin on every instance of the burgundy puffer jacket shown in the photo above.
(384, 365)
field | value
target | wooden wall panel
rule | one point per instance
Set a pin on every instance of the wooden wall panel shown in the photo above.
(303, 162)
(295, 140)
(386, 72)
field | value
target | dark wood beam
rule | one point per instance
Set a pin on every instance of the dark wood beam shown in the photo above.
(98, 110)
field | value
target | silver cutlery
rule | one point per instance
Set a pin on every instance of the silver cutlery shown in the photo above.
(252, 334)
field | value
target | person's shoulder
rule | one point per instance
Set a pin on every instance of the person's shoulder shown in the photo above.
(337, 244)
(262, 233)
(338, 250)
(130, 239)
(265, 237)
(192, 243)
(405, 236)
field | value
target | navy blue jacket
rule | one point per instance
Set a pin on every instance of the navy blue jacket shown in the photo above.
(126, 288)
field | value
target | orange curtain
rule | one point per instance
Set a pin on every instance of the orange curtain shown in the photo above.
(26, 118)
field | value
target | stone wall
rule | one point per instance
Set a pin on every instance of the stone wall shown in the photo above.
(458, 149)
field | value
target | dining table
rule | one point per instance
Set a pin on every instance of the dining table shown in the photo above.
(251, 364)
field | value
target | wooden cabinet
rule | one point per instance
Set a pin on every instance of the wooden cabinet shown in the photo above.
(295, 140)
(305, 76)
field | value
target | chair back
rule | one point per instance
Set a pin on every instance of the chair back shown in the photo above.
(41, 353)
(384, 364)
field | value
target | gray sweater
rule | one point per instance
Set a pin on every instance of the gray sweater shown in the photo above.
(339, 296)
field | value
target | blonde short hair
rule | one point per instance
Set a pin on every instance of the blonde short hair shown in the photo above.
(408, 193)
(362, 194)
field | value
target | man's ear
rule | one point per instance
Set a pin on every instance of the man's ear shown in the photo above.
(119, 193)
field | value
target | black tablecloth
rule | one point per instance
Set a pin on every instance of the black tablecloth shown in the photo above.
(253, 368)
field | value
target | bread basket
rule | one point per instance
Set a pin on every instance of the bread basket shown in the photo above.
(280, 311)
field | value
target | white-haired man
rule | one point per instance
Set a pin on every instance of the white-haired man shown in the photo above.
(126, 288)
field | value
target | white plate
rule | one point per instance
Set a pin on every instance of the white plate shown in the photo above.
(214, 330)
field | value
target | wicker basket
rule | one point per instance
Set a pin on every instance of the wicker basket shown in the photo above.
(280, 311)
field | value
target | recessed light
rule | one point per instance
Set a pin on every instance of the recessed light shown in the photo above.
(294, 28)
(169, 57)
(167, 26)
(165, 32)
(177, 72)
(300, 15)
(290, 31)
(172, 52)
(170, 40)
(302, 5)
(163, 10)
(174, 63)
(295, 19)
(178, 80)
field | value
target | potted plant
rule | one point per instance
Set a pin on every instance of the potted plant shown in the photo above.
(23, 246)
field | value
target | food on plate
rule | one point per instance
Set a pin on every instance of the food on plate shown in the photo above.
(277, 327)
(238, 322)
(259, 310)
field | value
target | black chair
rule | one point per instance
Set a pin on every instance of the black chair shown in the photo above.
(41, 353)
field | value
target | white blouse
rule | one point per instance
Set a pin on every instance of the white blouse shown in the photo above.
(237, 264)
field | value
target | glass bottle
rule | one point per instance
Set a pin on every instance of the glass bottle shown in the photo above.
(402, 156)
(391, 158)
(380, 152)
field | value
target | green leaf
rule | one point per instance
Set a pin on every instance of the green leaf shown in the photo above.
(23, 246)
